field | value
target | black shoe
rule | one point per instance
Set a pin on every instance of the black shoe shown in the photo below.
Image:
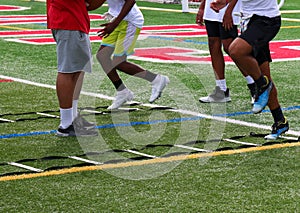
(80, 122)
(217, 96)
(72, 132)
(252, 89)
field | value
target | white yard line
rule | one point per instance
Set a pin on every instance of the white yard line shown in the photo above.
(240, 142)
(139, 153)
(291, 19)
(191, 148)
(25, 167)
(182, 111)
(85, 160)
(6, 120)
(48, 115)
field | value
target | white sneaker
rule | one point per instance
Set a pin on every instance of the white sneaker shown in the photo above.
(121, 98)
(158, 84)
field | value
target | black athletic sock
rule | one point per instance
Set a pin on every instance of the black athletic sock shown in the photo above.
(119, 85)
(261, 81)
(277, 114)
(252, 88)
(150, 76)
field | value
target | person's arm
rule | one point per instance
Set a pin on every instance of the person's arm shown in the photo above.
(199, 16)
(93, 4)
(110, 27)
(227, 18)
(217, 5)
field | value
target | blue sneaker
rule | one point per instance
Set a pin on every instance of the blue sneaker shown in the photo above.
(278, 128)
(262, 97)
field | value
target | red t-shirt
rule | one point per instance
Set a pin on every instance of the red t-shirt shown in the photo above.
(68, 15)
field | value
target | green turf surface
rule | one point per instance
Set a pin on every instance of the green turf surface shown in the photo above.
(258, 181)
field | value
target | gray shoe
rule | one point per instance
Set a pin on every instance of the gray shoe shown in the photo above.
(217, 96)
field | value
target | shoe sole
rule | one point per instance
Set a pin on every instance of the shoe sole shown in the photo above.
(226, 100)
(127, 99)
(274, 136)
(60, 134)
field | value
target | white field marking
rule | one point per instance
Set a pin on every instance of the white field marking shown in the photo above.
(85, 160)
(173, 10)
(25, 167)
(6, 120)
(192, 148)
(93, 111)
(139, 153)
(187, 112)
(240, 142)
(290, 19)
(48, 115)
(229, 120)
(289, 11)
(289, 138)
(53, 87)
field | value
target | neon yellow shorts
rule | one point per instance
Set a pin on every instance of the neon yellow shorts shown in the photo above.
(123, 39)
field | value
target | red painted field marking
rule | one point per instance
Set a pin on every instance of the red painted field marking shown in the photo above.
(280, 51)
(5, 80)
(35, 19)
(12, 8)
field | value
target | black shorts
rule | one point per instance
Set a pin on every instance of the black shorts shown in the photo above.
(215, 29)
(260, 31)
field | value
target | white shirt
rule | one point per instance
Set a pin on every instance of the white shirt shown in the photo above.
(211, 15)
(268, 8)
(134, 16)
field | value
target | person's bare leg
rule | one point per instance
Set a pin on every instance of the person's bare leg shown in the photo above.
(241, 53)
(218, 64)
(104, 57)
(65, 87)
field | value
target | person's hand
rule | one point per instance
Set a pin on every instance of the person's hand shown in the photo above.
(199, 17)
(107, 29)
(217, 5)
(227, 21)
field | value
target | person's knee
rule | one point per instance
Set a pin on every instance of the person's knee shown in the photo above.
(100, 56)
(214, 43)
(234, 52)
(226, 49)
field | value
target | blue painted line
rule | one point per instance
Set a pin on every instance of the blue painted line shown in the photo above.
(136, 123)
(107, 126)
(179, 40)
(27, 134)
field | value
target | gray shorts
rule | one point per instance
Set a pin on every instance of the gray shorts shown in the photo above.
(73, 51)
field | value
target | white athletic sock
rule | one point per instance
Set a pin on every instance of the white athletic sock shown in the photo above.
(75, 108)
(66, 117)
(249, 79)
(222, 84)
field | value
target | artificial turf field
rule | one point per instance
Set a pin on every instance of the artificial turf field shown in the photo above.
(176, 155)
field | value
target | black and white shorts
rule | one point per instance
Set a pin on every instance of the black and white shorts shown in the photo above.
(215, 29)
(73, 51)
(260, 31)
